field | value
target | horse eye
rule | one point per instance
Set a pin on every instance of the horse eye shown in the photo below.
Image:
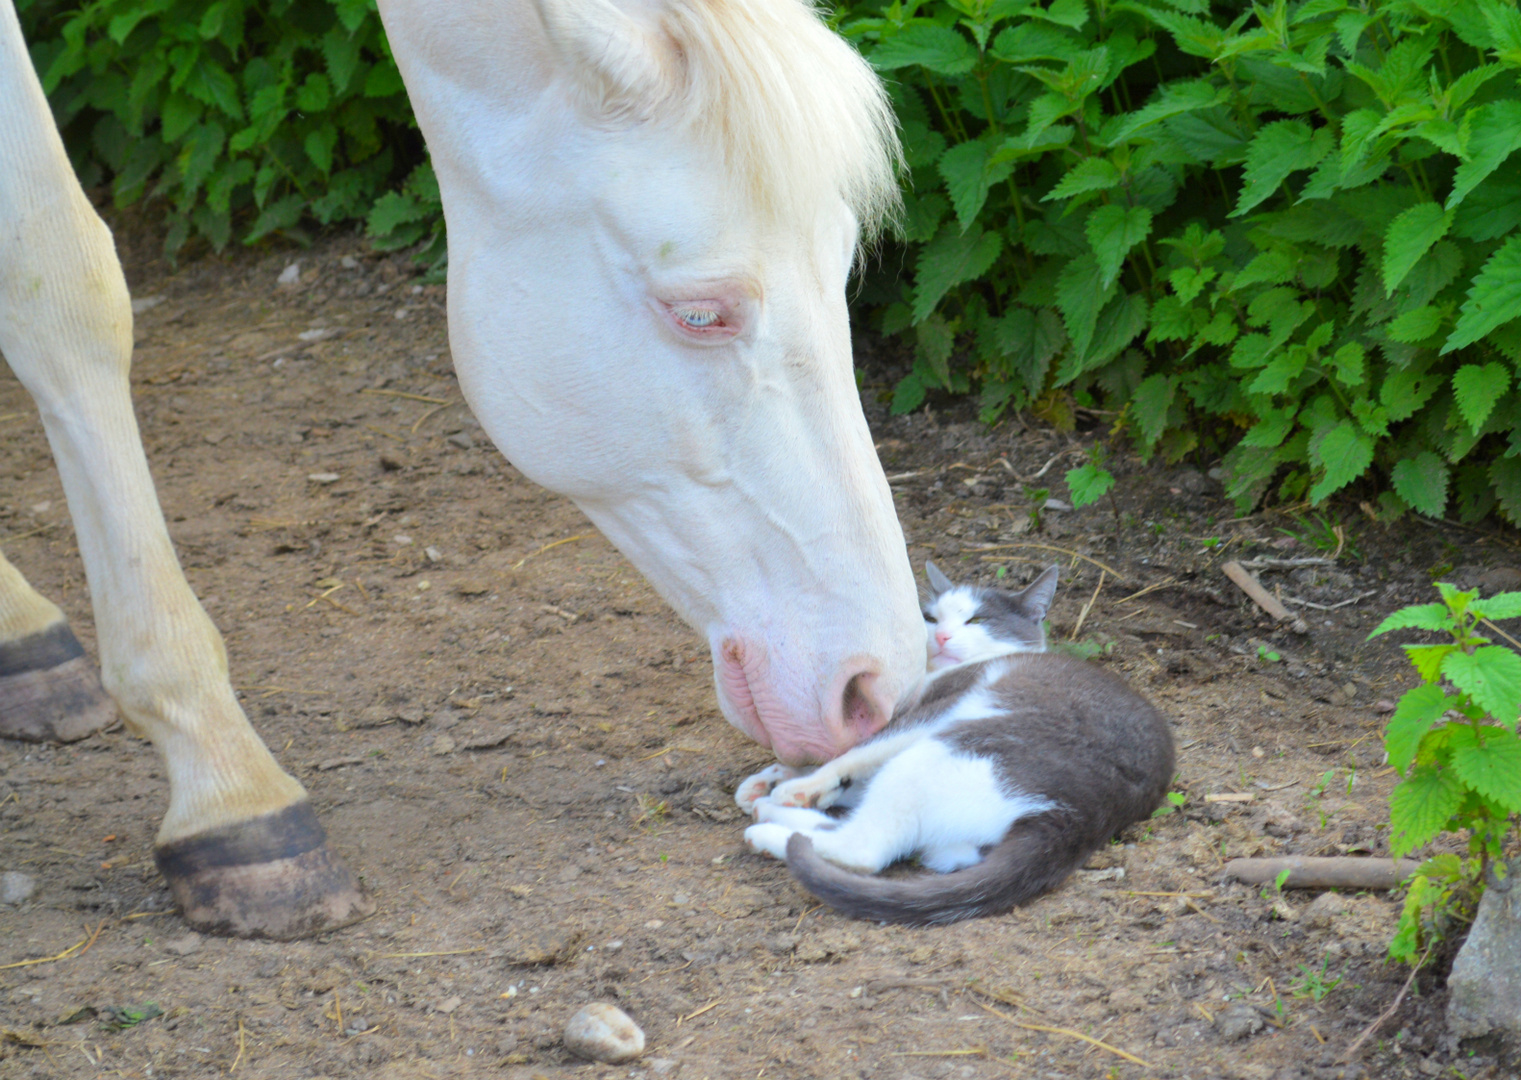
(696, 318)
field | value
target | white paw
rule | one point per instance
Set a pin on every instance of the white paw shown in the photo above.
(818, 790)
(760, 785)
(768, 839)
(794, 817)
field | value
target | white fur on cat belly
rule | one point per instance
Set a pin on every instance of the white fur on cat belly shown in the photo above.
(928, 800)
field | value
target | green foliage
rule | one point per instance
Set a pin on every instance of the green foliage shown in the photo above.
(247, 119)
(1289, 234)
(1315, 984)
(1453, 740)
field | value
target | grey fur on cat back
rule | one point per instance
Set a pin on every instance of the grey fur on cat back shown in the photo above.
(1067, 732)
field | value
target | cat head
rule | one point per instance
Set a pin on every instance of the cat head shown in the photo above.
(966, 623)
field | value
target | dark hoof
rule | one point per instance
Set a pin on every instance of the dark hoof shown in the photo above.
(49, 690)
(272, 877)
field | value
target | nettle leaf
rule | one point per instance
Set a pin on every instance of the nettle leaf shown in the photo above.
(1152, 399)
(1505, 605)
(929, 45)
(1493, 769)
(948, 260)
(1494, 134)
(1347, 365)
(1421, 806)
(1173, 99)
(968, 176)
(1491, 675)
(1080, 295)
(1413, 716)
(1477, 389)
(1090, 174)
(1427, 659)
(1112, 231)
(1422, 482)
(1276, 151)
(1188, 282)
(1416, 326)
(1494, 298)
(1416, 617)
(1087, 484)
(1409, 237)
(1345, 453)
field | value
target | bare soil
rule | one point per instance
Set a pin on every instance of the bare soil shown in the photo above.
(516, 744)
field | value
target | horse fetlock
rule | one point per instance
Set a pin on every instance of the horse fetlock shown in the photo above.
(273, 876)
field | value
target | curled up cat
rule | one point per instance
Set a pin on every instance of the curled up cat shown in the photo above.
(1010, 768)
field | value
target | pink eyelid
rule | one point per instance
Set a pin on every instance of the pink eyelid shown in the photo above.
(726, 323)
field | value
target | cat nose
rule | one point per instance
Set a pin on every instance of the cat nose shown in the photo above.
(942, 636)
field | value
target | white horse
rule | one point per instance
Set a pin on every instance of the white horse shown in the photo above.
(653, 208)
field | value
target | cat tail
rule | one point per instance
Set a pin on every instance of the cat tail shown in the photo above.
(1035, 857)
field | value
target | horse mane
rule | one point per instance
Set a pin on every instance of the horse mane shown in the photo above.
(795, 108)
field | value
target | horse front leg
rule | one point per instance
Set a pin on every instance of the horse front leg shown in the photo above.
(240, 844)
(49, 690)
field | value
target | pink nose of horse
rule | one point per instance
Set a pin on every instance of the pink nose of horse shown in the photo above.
(853, 705)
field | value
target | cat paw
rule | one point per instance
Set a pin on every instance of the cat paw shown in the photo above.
(769, 839)
(818, 790)
(794, 817)
(759, 786)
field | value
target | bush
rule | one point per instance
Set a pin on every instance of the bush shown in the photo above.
(1459, 760)
(1282, 233)
(248, 119)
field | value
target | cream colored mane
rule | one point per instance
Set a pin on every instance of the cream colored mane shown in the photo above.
(799, 114)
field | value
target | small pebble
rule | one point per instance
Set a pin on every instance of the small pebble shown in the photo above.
(16, 887)
(291, 275)
(602, 1032)
(461, 440)
(323, 477)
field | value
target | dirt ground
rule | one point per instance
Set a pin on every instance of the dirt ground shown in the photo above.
(517, 745)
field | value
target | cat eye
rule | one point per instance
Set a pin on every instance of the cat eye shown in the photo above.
(974, 620)
(928, 617)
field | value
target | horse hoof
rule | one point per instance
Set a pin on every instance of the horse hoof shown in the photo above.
(49, 690)
(272, 877)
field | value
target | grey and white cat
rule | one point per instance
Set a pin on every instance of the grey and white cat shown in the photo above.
(1010, 768)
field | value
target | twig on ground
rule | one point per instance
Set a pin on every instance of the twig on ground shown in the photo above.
(1052, 547)
(1387, 1013)
(553, 544)
(410, 397)
(715, 1003)
(1330, 607)
(1083, 615)
(1269, 603)
(1266, 562)
(1149, 589)
(1064, 1031)
(1502, 633)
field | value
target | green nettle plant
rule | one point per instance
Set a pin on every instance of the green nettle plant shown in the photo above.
(1288, 233)
(1454, 741)
(248, 119)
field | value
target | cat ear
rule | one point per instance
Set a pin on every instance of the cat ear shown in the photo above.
(938, 581)
(1037, 596)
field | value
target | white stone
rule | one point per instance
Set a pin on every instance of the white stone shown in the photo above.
(291, 275)
(16, 887)
(603, 1032)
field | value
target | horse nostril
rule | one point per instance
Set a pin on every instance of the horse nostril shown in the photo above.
(860, 713)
